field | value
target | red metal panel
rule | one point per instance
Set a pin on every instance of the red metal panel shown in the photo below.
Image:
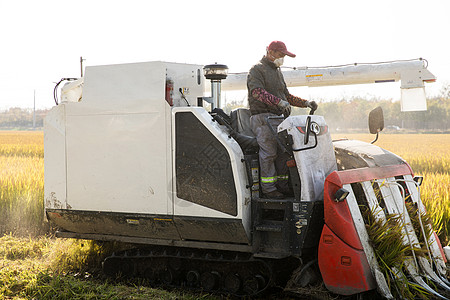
(366, 174)
(345, 270)
(342, 261)
(337, 214)
(440, 247)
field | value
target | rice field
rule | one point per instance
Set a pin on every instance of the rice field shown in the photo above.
(40, 267)
(21, 182)
(425, 153)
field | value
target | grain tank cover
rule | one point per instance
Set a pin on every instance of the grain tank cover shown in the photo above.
(314, 164)
(111, 151)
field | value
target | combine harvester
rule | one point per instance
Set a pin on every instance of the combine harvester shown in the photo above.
(131, 155)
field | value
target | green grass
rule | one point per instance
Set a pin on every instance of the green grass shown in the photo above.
(49, 268)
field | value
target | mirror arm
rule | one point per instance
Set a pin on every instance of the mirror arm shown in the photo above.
(376, 138)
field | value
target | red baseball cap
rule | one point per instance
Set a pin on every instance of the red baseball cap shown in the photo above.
(280, 46)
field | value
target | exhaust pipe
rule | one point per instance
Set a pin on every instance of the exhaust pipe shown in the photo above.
(216, 73)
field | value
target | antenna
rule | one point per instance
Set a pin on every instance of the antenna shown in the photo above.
(81, 65)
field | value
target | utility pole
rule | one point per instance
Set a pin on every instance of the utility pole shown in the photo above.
(81, 64)
(34, 110)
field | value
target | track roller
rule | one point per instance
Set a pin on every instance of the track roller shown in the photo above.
(192, 278)
(253, 284)
(232, 283)
(210, 280)
(166, 276)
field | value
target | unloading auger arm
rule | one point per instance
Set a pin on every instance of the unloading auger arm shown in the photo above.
(411, 73)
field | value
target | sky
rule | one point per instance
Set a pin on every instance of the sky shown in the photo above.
(42, 41)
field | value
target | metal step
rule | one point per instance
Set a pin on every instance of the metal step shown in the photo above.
(269, 200)
(278, 255)
(269, 227)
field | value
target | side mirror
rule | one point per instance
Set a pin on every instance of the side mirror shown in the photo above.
(419, 180)
(376, 120)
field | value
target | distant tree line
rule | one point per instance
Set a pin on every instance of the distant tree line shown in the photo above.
(353, 114)
(16, 118)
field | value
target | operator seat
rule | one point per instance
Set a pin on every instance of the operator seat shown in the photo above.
(240, 122)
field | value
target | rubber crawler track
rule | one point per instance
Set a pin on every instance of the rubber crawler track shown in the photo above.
(238, 274)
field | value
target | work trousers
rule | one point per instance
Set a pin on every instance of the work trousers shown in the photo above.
(272, 159)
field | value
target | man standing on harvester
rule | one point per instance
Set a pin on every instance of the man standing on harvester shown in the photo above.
(268, 96)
